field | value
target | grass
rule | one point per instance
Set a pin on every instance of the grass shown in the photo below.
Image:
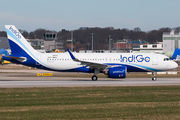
(157, 102)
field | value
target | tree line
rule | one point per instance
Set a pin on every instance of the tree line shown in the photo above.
(83, 36)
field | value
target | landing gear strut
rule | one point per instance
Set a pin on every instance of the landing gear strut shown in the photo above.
(94, 77)
(154, 76)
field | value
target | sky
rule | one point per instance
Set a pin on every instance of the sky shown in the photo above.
(56, 15)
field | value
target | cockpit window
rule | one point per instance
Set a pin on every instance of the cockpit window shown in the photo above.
(166, 59)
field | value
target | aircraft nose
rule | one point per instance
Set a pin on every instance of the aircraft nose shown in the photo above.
(175, 65)
(172, 65)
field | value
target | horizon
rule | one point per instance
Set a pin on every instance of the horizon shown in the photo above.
(56, 15)
(91, 28)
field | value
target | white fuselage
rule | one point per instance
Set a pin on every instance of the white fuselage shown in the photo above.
(144, 61)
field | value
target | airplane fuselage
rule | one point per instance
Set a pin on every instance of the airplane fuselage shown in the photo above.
(133, 61)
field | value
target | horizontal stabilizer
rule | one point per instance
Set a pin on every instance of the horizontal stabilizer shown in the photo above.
(20, 59)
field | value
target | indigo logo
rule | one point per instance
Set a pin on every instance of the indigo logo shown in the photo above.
(16, 33)
(134, 58)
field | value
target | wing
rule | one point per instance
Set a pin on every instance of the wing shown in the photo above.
(92, 65)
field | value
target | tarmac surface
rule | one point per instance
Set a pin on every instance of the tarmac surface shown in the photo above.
(9, 79)
(83, 82)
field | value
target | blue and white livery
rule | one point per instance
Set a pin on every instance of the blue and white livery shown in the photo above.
(115, 65)
(176, 55)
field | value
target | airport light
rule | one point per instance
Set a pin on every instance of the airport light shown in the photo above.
(109, 43)
(88, 45)
(92, 42)
(71, 40)
(117, 46)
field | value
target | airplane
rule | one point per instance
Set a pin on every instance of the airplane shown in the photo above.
(3, 52)
(115, 65)
(176, 55)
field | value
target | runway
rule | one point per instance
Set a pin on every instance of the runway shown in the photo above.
(14, 79)
(22, 82)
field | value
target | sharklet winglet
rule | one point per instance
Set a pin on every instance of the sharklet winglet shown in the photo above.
(72, 56)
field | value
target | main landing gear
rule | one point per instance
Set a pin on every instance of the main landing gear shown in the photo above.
(94, 77)
(154, 76)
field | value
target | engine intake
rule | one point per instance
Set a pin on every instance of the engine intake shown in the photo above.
(117, 72)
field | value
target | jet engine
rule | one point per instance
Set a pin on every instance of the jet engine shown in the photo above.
(117, 72)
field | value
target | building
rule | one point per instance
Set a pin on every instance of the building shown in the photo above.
(4, 43)
(171, 41)
(47, 46)
(98, 51)
(149, 48)
(59, 45)
(39, 44)
(36, 43)
(51, 42)
(122, 45)
(127, 45)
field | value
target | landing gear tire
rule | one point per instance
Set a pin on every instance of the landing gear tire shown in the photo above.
(94, 78)
(154, 78)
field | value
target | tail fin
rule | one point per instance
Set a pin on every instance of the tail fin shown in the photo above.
(17, 42)
(176, 55)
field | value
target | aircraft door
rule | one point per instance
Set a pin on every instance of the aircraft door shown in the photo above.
(154, 60)
(38, 58)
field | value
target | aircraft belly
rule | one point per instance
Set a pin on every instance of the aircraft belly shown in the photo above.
(63, 65)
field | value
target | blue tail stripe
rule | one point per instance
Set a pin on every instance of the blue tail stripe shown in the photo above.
(176, 52)
(16, 49)
(14, 37)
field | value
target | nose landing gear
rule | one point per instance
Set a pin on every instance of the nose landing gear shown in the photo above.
(154, 76)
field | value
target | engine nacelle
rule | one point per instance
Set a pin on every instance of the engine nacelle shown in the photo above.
(117, 72)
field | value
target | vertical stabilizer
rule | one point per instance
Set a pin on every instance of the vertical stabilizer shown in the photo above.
(176, 55)
(17, 42)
